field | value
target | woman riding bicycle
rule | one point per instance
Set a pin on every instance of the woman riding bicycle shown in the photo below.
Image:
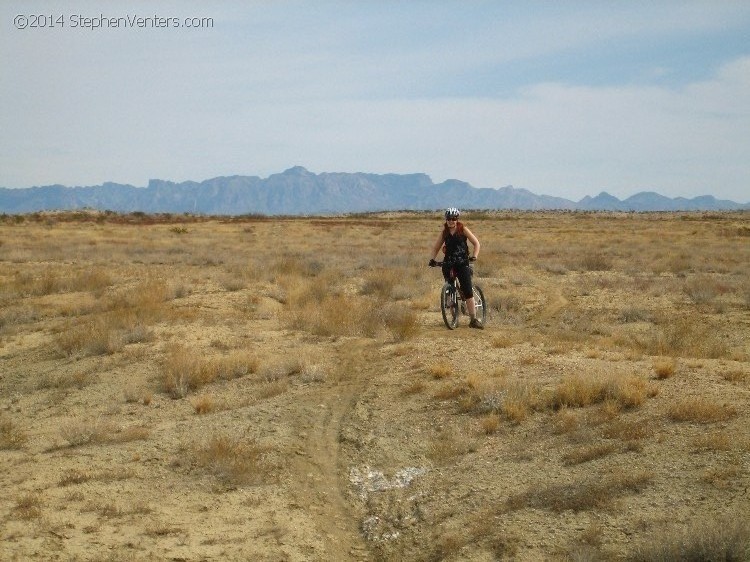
(453, 239)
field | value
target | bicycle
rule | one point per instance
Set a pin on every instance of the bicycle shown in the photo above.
(453, 301)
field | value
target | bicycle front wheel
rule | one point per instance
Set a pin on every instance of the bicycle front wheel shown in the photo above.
(480, 305)
(449, 306)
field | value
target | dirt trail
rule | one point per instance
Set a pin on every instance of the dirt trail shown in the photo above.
(319, 471)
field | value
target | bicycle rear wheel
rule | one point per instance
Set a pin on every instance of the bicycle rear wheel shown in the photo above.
(449, 306)
(480, 305)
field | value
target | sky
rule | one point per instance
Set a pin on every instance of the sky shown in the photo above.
(565, 98)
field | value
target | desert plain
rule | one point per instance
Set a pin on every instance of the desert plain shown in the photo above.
(178, 387)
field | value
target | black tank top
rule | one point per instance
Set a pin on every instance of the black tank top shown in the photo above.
(456, 248)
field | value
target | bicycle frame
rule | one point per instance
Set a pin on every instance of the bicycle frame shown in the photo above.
(453, 300)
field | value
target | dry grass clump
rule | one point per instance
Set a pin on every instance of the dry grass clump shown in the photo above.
(440, 371)
(628, 430)
(78, 433)
(481, 530)
(566, 421)
(11, 436)
(270, 389)
(203, 404)
(700, 410)
(104, 334)
(237, 364)
(665, 368)
(399, 320)
(634, 314)
(588, 453)
(490, 423)
(319, 305)
(449, 444)
(684, 337)
(726, 539)
(111, 510)
(513, 400)
(382, 282)
(594, 261)
(76, 476)
(28, 506)
(79, 380)
(133, 395)
(717, 441)
(702, 289)
(581, 496)
(234, 461)
(51, 281)
(184, 371)
(736, 376)
(629, 391)
(721, 476)
(415, 387)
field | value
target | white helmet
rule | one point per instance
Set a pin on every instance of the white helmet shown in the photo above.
(451, 213)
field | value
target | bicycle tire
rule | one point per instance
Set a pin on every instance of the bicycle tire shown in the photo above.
(480, 305)
(449, 306)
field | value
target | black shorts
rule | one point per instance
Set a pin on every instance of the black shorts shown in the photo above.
(463, 272)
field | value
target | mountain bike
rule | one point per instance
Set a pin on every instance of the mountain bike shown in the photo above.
(453, 301)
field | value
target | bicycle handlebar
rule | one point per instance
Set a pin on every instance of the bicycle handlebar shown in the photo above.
(440, 263)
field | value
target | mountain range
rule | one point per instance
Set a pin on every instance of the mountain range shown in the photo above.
(298, 191)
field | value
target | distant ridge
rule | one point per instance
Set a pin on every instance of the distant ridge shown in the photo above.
(298, 191)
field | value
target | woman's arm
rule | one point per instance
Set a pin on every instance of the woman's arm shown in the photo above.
(474, 241)
(436, 247)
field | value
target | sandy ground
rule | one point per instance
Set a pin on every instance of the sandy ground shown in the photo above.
(359, 447)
